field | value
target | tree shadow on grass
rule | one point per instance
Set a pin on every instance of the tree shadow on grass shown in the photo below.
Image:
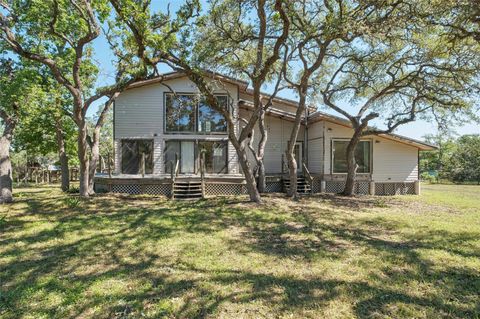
(108, 240)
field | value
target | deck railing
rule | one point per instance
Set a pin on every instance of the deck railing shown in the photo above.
(175, 167)
(202, 172)
(308, 176)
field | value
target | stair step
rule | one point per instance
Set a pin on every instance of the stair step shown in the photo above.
(189, 195)
(188, 191)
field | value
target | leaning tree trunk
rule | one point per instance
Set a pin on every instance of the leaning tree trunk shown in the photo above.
(351, 163)
(246, 168)
(83, 157)
(62, 154)
(261, 152)
(95, 152)
(6, 182)
(292, 163)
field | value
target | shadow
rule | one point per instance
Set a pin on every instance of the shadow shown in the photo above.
(125, 257)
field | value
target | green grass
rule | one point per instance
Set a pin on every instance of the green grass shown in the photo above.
(322, 257)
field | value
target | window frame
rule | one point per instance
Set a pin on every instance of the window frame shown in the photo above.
(332, 164)
(199, 153)
(150, 140)
(196, 115)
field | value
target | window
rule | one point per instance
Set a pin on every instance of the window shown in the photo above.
(132, 151)
(180, 113)
(185, 150)
(362, 156)
(210, 120)
(189, 153)
(215, 156)
(187, 113)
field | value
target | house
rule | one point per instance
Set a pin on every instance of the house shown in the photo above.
(165, 134)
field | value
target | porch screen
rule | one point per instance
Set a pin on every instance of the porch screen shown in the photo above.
(215, 156)
(339, 155)
(132, 151)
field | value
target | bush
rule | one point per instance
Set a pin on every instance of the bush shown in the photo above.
(72, 202)
(427, 177)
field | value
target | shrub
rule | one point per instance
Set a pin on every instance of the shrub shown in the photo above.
(72, 202)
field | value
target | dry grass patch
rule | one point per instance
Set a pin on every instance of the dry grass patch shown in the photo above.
(116, 256)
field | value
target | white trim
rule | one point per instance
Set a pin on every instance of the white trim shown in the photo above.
(332, 149)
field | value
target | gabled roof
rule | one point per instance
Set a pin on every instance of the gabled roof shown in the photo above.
(178, 74)
(321, 116)
(313, 117)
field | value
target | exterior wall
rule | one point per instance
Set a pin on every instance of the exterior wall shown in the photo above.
(278, 136)
(139, 113)
(394, 161)
(391, 161)
(315, 147)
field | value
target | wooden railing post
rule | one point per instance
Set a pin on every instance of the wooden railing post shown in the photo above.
(109, 169)
(202, 172)
(308, 176)
(143, 165)
(174, 173)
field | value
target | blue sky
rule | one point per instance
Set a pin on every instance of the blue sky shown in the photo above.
(104, 59)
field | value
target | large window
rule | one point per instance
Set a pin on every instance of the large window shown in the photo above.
(180, 113)
(188, 113)
(210, 120)
(215, 156)
(189, 152)
(132, 152)
(362, 156)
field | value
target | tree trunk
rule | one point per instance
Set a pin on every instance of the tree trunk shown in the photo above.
(249, 177)
(292, 163)
(95, 151)
(62, 154)
(246, 168)
(6, 194)
(351, 163)
(83, 157)
(261, 152)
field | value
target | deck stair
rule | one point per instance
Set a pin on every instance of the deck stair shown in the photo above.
(187, 189)
(303, 187)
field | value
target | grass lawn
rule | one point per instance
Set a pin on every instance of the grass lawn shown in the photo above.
(322, 257)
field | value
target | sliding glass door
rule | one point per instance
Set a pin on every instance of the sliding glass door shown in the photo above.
(187, 157)
(189, 152)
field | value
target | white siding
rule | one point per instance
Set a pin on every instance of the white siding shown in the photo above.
(391, 161)
(139, 113)
(315, 147)
(394, 161)
(333, 131)
(279, 131)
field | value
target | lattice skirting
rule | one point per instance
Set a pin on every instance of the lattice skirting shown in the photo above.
(273, 187)
(316, 186)
(126, 188)
(225, 189)
(135, 189)
(334, 186)
(338, 187)
(158, 189)
(395, 188)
